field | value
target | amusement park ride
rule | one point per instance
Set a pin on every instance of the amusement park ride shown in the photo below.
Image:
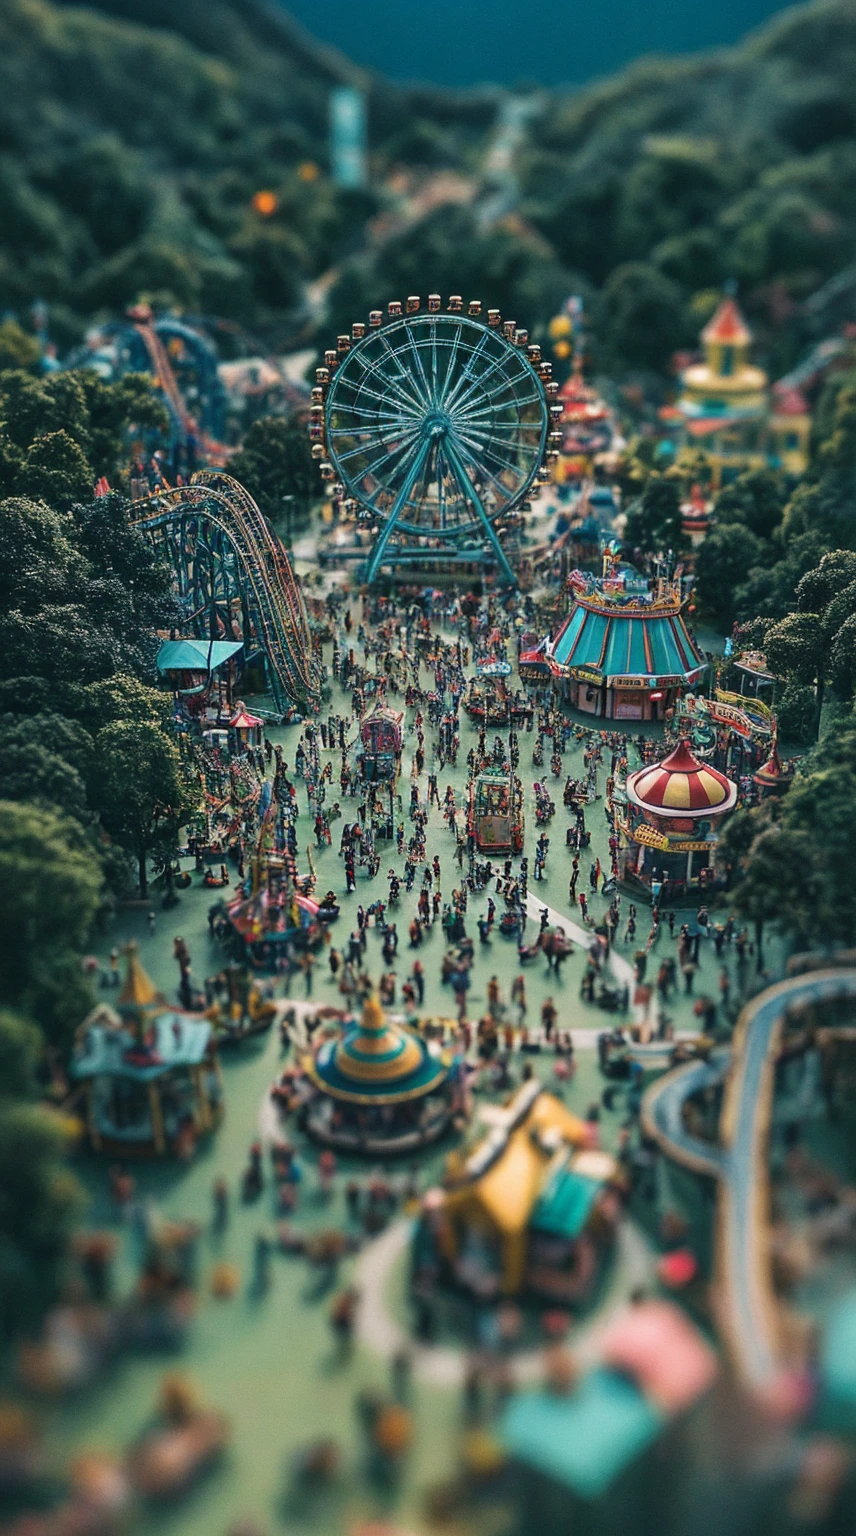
(183, 364)
(234, 579)
(433, 426)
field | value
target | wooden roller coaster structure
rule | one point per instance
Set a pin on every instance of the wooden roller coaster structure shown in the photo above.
(224, 556)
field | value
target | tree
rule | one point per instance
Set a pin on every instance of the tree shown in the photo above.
(722, 562)
(33, 773)
(796, 649)
(18, 349)
(138, 789)
(50, 887)
(119, 697)
(40, 1203)
(56, 469)
(654, 521)
(756, 499)
(642, 318)
(778, 882)
(39, 563)
(276, 466)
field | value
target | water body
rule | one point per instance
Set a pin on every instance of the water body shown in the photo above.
(509, 42)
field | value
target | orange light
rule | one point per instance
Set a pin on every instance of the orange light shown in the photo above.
(308, 171)
(560, 325)
(265, 203)
(561, 349)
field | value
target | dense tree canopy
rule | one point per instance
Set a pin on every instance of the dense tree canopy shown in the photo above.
(276, 466)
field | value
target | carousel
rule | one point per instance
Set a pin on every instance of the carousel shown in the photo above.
(379, 1088)
(673, 810)
(275, 912)
(149, 1072)
(272, 914)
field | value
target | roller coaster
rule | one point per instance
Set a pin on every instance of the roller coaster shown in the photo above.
(233, 577)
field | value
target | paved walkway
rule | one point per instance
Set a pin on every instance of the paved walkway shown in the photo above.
(444, 1365)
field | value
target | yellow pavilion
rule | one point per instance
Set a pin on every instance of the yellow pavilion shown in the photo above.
(728, 410)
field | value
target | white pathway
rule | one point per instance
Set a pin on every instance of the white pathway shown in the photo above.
(622, 970)
(444, 1366)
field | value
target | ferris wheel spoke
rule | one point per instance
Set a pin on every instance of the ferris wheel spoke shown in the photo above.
(466, 374)
(453, 353)
(373, 414)
(418, 457)
(398, 379)
(478, 380)
(388, 456)
(494, 403)
(471, 495)
(362, 388)
(414, 347)
(477, 461)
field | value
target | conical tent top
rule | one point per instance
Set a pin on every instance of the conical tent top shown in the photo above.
(373, 1020)
(138, 990)
(681, 785)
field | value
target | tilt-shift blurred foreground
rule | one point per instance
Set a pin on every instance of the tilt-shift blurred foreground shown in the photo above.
(427, 772)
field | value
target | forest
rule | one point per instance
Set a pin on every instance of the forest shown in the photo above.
(134, 135)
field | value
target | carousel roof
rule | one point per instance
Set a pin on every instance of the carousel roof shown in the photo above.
(774, 774)
(633, 640)
(727, 324)
(244, 721)
(681, 786)
(377, 1062)
(143, 1038)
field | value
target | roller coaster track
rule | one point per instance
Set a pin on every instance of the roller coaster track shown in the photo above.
(267, 586)
(750, 1314)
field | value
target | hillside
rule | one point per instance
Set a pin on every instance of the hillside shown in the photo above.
(130, 151)
(134, 134)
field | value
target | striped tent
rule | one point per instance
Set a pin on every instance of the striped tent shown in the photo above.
(681, 786)
(627, 642)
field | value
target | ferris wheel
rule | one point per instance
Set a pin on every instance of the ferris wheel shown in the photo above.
(435, 424)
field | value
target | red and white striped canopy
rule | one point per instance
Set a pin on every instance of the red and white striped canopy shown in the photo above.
(681, 786)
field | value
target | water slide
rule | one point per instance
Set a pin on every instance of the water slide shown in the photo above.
(749, 1313)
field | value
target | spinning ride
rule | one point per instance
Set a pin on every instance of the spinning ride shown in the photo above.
(234, 579)
(435, 426)
(380, 1087)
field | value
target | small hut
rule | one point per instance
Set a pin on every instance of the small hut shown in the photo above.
(149, 1071)
(245, 730)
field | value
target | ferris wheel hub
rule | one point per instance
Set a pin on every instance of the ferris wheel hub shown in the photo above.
(437, 425)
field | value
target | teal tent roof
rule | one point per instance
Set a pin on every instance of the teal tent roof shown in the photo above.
(564, 1206)
(584, 1440)
(179, 1041)
(196, 655)
(620, 644)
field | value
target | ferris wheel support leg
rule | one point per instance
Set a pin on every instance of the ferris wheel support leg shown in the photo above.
(398, 506)
(469, 491)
